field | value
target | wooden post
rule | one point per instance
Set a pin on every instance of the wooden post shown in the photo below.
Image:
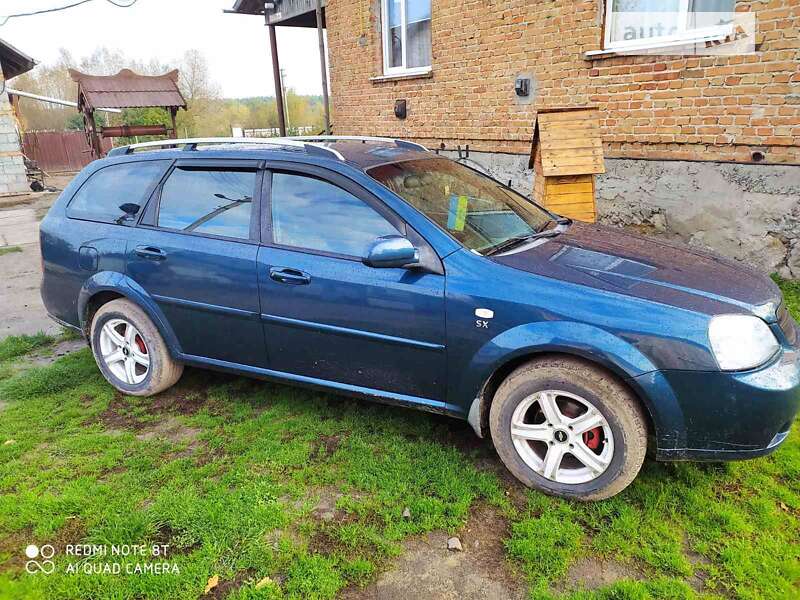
(94, 138)
(173, 111)
(276, 74)
(324, 67)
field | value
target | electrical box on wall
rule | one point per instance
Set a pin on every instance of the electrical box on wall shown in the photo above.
(523, 87)
(400, 109)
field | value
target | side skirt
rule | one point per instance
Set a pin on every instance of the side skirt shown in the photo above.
(390, 398)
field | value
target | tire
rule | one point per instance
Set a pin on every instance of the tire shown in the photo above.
(141, 344)
(618, 438)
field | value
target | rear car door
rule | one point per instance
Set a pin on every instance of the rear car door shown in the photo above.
(329, 317)
(99, 231)
(195, 254)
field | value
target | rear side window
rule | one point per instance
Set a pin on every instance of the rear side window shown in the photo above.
(311, 213)
(100, 198)
(209, 201)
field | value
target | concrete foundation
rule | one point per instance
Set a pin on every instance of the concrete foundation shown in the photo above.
(747, 212)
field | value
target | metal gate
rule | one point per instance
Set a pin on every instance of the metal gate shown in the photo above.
(58, 151)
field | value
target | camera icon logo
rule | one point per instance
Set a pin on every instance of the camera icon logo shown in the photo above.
(45, 553)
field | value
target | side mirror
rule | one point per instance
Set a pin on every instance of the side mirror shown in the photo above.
(391, 252)
(130, 209)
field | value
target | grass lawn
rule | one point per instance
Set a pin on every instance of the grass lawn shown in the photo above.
(273, 492)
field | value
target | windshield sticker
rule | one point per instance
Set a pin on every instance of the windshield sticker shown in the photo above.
(457, 215)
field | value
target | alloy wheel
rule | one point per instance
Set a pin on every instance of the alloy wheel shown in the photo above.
(124, 351)
(562, 436)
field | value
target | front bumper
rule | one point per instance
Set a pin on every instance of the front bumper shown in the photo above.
(724, 416)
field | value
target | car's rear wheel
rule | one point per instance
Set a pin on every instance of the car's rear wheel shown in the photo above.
(569, 429)
(130, 351)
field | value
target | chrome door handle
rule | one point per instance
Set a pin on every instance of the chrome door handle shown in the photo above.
(150, 253)
(289, 276)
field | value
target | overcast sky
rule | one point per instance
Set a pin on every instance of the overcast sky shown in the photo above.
(236, 46)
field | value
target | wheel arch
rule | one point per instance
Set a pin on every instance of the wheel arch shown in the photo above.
(105, 287)
(487, 393)
(590, 344)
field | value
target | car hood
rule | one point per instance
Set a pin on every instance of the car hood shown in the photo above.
(615, 260)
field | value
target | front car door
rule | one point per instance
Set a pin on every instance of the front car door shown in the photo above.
(195, 254)
(330, 318)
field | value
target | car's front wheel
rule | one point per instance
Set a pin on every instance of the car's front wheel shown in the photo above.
(130, 351)
(569, 429)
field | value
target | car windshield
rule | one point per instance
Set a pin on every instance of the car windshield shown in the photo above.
(476, 210)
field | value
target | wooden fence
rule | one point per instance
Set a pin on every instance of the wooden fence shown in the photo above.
(58, 151)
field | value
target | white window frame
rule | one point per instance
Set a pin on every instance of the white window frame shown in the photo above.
(387, 46)
(685, 35)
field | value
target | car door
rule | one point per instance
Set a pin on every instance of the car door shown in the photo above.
(329, 317)
(195, 254)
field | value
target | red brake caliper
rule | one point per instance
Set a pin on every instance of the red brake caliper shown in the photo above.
(140, 344)
(593, 437)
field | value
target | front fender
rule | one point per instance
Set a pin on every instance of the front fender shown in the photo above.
(577, 339)
(110, 281)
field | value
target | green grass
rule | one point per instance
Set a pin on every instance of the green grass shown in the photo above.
(18, 345)
(230, 474)
(9, 250)
(791, 293)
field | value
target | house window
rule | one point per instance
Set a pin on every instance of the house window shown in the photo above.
(406, 36)
(651, 23)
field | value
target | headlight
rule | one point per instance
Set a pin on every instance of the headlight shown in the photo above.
(741, 342)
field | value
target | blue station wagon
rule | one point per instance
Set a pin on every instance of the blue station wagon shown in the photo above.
(376, 268)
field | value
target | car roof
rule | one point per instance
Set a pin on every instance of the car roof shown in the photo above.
(361, 152)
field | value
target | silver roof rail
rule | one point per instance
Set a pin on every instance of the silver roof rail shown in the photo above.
(192, 143)
(358, 138)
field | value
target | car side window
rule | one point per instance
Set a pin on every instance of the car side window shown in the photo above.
(310, 213)
(100, 197)
(209, 201)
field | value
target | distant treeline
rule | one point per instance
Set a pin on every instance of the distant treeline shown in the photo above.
(208, 114)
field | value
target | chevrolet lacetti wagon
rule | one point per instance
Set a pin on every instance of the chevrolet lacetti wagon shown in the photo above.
(373, 267)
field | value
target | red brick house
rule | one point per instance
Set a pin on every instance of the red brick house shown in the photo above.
(707, 146)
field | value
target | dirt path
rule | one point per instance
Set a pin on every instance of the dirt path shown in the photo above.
(21, 308)
(478, 571)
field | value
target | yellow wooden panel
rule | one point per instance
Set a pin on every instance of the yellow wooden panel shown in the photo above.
(572, 169)
(569, 153)
(571, 206)
(572, 166)
(570, 179)
(585, 124)
(559, 160)
(570, 188)
(576, 142)
(550, 117)
(585, 198)
(579, 132)
(587, 217)
(569, 143)
(570, 198)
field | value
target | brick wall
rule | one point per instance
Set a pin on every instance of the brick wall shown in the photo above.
(12, 167)
(704, 108)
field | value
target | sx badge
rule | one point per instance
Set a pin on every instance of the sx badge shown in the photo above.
(484, 315)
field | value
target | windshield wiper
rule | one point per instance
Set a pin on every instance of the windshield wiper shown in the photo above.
(522, 239)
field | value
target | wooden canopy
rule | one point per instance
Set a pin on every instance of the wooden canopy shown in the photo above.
(569, 141)
(127, 89)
